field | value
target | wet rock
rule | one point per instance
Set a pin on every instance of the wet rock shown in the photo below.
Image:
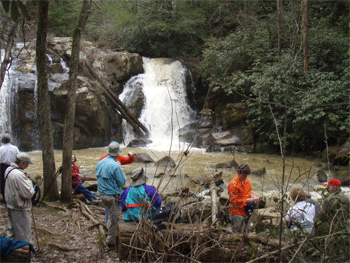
(233, 114)
(337, 154)
(226, 138)
(55, 68)
(227, 165)
(166, 161)
(259, 172)
(138, 143)
(207, 179)
(206, 119)
(91, 185)
(135, 99)
(321, 176)
(143, 158)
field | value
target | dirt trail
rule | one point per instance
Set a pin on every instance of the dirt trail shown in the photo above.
(69, 230)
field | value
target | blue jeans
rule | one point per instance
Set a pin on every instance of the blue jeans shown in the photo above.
(83, 190)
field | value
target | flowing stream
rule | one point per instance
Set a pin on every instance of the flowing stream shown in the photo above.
(299, 171)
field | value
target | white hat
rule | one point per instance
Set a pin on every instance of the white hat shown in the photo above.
(24, 157)
(114, 149)
(138, 177)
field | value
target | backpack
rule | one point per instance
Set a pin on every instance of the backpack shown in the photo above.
(165, 214)
(37, 195)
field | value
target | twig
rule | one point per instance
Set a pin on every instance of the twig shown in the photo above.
(54, 206)
(297, 252)
(66, 248)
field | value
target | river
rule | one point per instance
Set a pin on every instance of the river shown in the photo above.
(298, 170)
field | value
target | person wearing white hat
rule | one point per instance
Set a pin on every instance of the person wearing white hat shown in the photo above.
(18, 193)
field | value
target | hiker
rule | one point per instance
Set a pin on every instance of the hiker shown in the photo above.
(334, 201)
(18, 193)
(139, 198)
(8, 153)
(241, 197)
(77, 184)
(302, 215)
(123, 161)
(110, 179)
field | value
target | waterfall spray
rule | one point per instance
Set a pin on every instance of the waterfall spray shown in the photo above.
(166, 109)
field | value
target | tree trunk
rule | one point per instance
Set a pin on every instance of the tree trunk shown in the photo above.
(68, 132)
(7, 50)
(44, 105)
(280, 24)
(305, 29)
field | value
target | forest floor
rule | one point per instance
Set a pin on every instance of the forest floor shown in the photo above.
(65, 236)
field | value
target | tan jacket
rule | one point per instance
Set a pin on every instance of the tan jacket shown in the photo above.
(18, 189)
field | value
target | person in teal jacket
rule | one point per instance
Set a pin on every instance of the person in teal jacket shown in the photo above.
(139, 199)
(110, 179)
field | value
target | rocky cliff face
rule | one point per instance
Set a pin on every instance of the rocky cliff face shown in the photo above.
(96, 123)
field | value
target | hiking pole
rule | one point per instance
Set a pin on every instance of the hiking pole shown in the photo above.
(59, 171)
(36, 233)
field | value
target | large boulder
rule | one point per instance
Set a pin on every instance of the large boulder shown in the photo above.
(233, 114)
(337, 154)
(93, 119)
(96, 123)
(166, 161)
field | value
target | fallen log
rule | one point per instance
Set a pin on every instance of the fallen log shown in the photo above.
(123, 110)
(87, 213)
(178, 242)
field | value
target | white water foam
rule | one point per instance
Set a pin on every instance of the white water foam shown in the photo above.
(7, 98)
(166, 109)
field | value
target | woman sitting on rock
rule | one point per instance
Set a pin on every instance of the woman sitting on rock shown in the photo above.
(77, 183)
(301, 216)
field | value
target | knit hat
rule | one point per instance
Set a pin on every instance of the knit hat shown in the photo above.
(333, 182)
(138, 177)
(244, 169)
(114, 149)
(24, 157)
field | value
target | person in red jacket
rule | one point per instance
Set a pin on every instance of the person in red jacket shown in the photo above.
(77, 183)
(122, 160)
(241, 197)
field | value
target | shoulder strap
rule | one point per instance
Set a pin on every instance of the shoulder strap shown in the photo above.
(11, 171)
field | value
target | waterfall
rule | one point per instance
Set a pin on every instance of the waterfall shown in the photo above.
(163, 85)
(7, 99)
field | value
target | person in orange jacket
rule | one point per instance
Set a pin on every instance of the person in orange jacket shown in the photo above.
(241, 197)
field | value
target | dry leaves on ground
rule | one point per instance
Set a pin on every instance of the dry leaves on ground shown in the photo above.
(65, 236)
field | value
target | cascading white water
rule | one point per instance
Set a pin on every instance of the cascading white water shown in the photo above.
(7, 98)
(166, 109)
